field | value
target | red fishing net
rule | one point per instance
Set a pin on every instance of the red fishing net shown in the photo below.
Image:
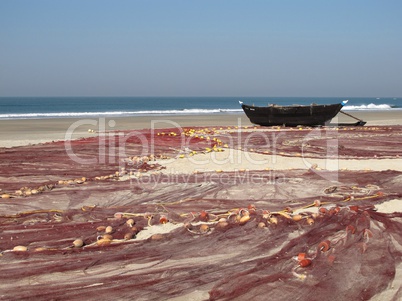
(77, 231)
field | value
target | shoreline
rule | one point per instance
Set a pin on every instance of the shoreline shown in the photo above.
(19, 132)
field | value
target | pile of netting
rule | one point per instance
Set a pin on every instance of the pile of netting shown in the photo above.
(71, 230)
(324, 249)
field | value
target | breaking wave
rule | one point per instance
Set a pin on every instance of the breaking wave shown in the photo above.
(370, 106)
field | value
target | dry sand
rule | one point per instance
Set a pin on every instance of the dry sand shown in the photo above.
(32, 131)
(234, 160)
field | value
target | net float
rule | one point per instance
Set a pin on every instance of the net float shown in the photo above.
(148, 215)
(244, 219)
(297, 217)
(305, 262)
(118, 215)
(18, 193)
(323, 210)
(251, 208)
(40, 249)
(78, 243)
(324, 245)
(204, 216)
(135, 230)
(243, 211)
(109, 229)
(103, 242)
(130, 222)
(128, 236)
(204, 228)
(288, 209)
(101, 228)
(107, 236)
(301, 256)
(222, 223)
(310, 221)
(20, 249)
(163, 219)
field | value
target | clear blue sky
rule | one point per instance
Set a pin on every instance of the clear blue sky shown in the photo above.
(201, 48)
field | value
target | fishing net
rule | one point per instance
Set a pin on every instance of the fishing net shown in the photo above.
(75, 231)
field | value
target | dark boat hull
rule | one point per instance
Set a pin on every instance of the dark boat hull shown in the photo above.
(312, 115)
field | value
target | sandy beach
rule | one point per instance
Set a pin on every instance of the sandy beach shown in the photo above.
(31, 131)
(200, 208)
(183, 151)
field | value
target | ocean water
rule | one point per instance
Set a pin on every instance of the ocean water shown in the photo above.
(83, 107)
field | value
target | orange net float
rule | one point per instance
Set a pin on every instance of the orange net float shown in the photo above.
(163, 219)
(301, 256)
(323, 210)
(204, 216)
(324, 246)
(305, 262)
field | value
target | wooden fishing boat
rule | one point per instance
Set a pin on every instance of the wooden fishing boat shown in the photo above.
(312, 115)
